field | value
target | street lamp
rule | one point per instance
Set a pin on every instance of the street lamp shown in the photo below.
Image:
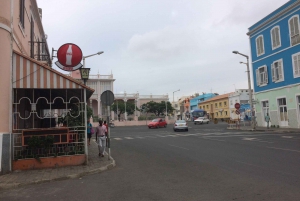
(249, 87)
(85, 72)
(173, 98)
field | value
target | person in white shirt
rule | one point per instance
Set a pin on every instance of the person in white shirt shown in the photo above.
(100, 132)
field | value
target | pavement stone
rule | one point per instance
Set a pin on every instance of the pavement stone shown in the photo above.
(95, 165)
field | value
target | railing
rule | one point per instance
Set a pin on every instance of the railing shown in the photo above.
(74, 146)
(98, 76)
(166, 97)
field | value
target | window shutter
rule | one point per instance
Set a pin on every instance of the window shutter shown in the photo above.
(296, 65)
(277, 37)
(266, 74)
(257, 46)
(257, 77)
(280, 70)
(273, 72)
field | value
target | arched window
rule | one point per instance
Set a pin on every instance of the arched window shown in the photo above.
(275, 37)
(294, 30)
(260, 45)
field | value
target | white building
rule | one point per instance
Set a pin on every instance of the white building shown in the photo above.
(240, 96)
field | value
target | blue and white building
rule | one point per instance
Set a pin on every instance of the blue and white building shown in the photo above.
(194, 102)
(275, 52)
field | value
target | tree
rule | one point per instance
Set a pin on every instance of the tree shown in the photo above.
(119, 108)
(157, 108)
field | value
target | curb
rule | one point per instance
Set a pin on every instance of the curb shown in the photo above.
(72, 176)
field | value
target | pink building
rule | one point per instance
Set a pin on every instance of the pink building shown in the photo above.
(33, 95)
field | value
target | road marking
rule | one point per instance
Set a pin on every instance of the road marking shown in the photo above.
(212, 139)
(287, 136)
(284, 149)
(266, 142)
(118, 138)
(162, 135)
(178, 147)
(140, 137)
(128, 138)
(150, 136)
(250, 139)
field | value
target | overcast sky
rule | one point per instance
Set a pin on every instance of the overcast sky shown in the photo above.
(159, 46)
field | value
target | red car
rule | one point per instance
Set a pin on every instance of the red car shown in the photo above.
(156, 123)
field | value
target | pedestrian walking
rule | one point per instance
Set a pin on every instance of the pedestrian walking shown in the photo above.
(267, 119)
(106, 133)
(100, 132)
(89, 133)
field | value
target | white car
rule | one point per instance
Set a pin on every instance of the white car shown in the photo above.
(201, 120)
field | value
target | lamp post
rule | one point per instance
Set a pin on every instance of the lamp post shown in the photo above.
(249, 88)
(85, 72)
(173, 99)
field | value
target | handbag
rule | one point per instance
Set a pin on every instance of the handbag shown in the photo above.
(92, 131)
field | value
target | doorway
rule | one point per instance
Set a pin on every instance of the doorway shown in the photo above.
(283, 117)
(265, 110)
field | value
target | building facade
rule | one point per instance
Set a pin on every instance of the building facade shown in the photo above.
(31, 91)
(99, 83)
(240, 96)
(217, 107)
(275, 52)
(195, 101)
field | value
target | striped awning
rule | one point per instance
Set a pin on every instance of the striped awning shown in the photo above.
(30, 74)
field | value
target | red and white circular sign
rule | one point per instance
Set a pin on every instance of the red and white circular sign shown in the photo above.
(237, 106)
(69, 57)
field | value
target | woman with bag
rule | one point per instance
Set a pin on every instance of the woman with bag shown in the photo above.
(100, 132)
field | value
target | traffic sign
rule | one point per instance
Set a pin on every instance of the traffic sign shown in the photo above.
(237, 106)
(237, 112)
(107, 97)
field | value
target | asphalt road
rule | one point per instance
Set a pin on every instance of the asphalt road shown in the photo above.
(206, 163)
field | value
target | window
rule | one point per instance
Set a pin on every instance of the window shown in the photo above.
(262, 76)
(260, 45)
(32, 38)
(216, 105)
(294, 30)
(277, 71)
(225, 103)
(231, 102)
(296, 64)
(265, 107)
(22, 12)
(220, 104)
(200, 107)
(207, 106)
(225, 113)
(275, 36)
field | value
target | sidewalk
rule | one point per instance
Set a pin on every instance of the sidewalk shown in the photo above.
(258, 128)
(95, 165)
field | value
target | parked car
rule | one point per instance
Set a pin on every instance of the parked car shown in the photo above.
(156, 123)
(201, 120)
(180, 125)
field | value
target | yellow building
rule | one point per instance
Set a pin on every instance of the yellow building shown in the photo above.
(217, 107)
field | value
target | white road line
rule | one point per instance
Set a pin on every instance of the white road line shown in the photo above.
(161, 135)
(150, 136)
(266, 142)
(212, 139)
(140, 137)
(118, 138)
(284, 149)
(128, 138)
(287, 136)
(178, 147)
(250, 139)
